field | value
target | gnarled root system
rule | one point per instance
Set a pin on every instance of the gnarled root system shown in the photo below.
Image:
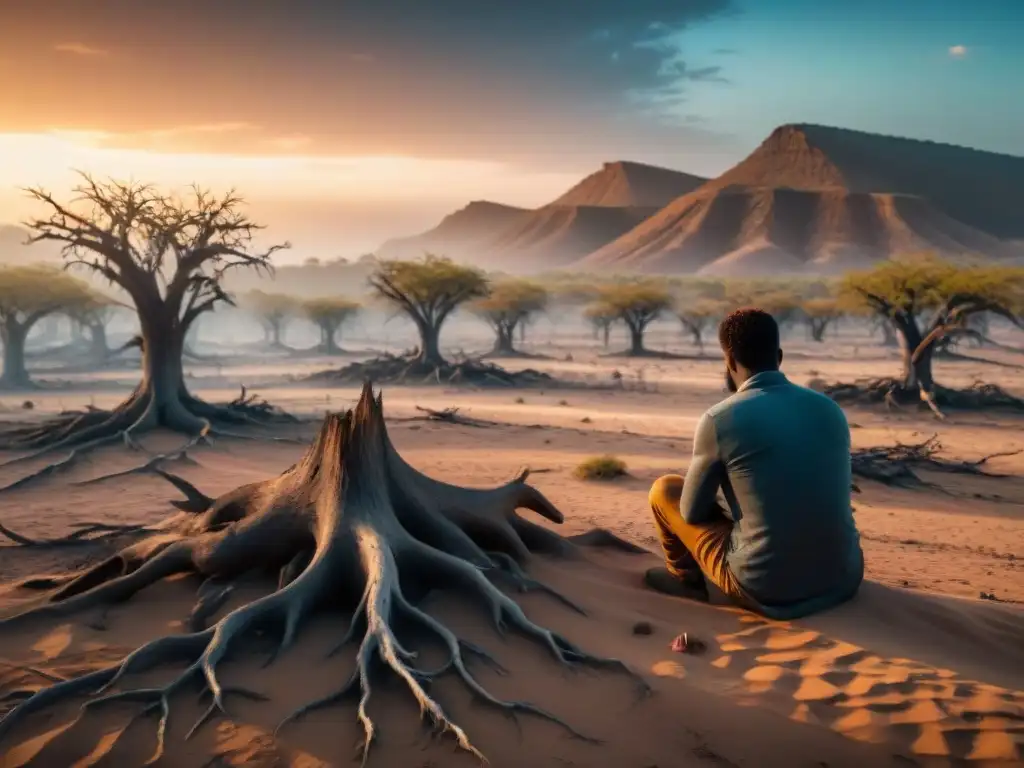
(397, 369)
(81, 432)
(895, 464)
(350, 518)
(894, 394)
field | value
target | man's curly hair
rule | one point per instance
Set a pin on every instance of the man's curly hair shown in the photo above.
(751, 337)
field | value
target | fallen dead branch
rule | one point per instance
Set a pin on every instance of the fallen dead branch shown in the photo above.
(895, 465)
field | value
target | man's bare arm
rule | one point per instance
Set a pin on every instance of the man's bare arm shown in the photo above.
(704, 477)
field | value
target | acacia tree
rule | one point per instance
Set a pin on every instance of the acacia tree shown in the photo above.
(510, 305)
(601, 318)
(637, 305)
(169, 254)
(818, 314)
(927, 301)
(700, 316)
(274, 310)
(27, 295)
(428, 291)
(329, 315)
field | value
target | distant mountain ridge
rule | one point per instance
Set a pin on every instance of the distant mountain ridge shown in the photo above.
(458, 233)
(981, 189)
(829, 199)
(14, 248)
(625, 184)
(597, 210)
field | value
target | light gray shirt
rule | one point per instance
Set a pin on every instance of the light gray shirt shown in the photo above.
(780, 455)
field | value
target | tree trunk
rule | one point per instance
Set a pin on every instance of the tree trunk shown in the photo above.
(328, 346)
(607, 334)
(916, 375)
(430, 345)
(636, 339)
(818, 328)
(163, 378)
(99, 351)
(275, 334)
(14, 374)
(888, 333)
(503, 342)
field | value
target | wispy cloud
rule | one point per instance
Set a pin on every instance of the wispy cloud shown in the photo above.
(362, 58)
(958, 51)
(80, 49)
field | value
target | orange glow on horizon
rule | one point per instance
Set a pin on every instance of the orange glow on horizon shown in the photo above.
(50, 160)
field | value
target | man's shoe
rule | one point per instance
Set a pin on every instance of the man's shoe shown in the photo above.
(664, 581)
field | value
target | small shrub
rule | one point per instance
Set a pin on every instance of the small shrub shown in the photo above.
(601, 468)
(520, 401)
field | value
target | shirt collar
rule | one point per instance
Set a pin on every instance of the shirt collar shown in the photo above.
(763, 380)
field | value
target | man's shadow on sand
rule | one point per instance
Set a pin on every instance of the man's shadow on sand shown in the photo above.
(925, 711)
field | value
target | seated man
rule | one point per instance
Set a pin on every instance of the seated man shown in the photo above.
(780, 454)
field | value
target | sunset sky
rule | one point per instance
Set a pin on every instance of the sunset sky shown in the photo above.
(344, 123)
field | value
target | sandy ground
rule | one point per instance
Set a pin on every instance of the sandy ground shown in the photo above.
(917, 671)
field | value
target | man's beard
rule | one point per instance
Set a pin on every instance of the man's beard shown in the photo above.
(730, 385)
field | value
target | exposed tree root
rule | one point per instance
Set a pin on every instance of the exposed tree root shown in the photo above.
(394, 369)
(514, 354)
(452, 416)
(343, 524)
(82, 533)
(652, 354)
(177, 456)
(82, 432)
(894, 394)
(895, 465)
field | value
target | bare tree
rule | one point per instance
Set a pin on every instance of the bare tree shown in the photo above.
(169, 255)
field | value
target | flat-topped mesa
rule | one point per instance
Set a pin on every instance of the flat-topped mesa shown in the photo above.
(828, 199)
(978, 188)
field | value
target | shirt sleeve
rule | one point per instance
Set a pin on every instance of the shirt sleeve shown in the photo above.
(704, 477)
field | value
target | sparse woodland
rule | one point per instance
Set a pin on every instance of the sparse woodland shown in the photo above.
(274, 311)
(169, 255)
(428, 292)
(27, 295)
